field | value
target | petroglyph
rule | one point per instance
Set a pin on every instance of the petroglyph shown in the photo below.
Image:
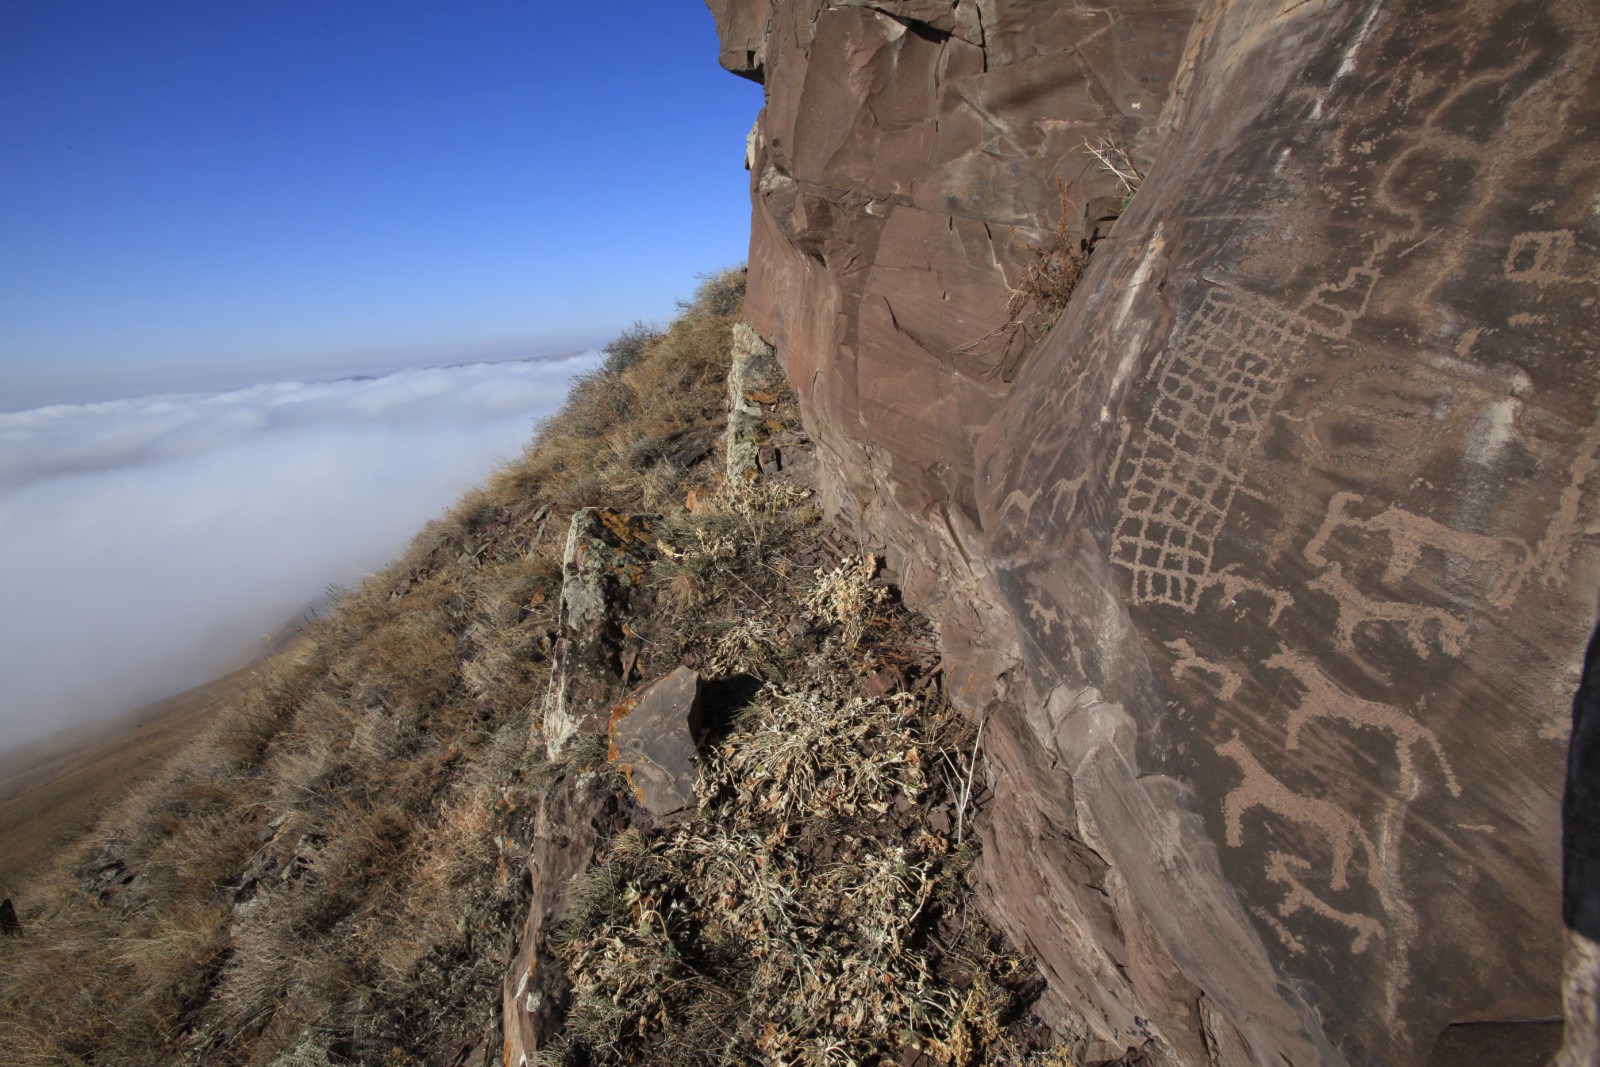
(1423, 626)
(1019, 507)
(1189, 661)
(1323, 698)
(1540, 258)
(1260, 789)
(1409, 534)
(1017, 503)
(1234, 584)
(1333, 308)
(1554, 550)
(1212, 396)
(1047, 617)
(1281, 869)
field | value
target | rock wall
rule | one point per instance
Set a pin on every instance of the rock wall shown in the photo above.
(1270, 566)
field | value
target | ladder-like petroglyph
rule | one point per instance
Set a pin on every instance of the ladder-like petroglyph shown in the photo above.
(1411, 534)
(1212, 396)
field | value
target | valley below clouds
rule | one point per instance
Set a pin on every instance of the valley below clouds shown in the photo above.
(150, 544)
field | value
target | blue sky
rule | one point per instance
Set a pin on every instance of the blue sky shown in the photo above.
(212, 214)
(203, 195)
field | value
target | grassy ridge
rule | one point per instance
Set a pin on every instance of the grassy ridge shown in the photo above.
(323, 877)
(323, 861)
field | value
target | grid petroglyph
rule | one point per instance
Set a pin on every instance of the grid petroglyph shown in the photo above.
(1212, 396)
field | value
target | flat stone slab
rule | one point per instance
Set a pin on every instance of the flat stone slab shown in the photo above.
(653, 736)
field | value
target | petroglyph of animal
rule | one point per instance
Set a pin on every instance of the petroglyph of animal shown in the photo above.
(1260, 789)
(1323, 698)
(1281, 869)
(1189, 662)
(1423, 626)
(1410, 534)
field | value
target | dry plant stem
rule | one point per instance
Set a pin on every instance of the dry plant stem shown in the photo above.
(1114, 160)
(966, 787)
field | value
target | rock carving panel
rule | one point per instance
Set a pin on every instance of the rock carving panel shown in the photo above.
(1213, 394)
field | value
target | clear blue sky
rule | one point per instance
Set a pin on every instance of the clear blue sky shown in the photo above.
(199, 194)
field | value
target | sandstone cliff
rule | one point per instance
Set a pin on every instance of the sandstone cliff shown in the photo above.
(1269, 567)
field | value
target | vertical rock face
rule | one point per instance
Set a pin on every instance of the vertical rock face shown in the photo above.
(1272, 564)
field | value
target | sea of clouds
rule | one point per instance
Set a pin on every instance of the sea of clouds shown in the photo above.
(151, 544)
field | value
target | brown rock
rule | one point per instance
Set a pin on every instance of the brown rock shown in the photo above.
(570, 820)
(1271, 565)
(653, 734)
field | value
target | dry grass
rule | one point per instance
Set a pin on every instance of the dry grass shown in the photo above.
(1115, 160)
(324, 877)
(812, 913)
(848, 597)
(1041, 295)
(808, 918)
(317, 879)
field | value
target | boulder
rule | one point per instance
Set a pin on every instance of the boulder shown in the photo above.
(653, 735)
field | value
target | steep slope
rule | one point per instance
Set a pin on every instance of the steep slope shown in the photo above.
(325, 875)
(1269, 567)
(630, 759)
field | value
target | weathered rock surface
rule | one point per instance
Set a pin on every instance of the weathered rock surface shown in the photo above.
(653, 736)
(754, 383)
(565, 826)
(602, 571)
(1271, 566)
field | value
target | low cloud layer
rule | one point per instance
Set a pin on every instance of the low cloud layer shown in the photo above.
(149, 545)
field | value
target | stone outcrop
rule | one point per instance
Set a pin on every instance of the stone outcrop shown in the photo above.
(1269, 568)
(755, 382)
(563, 827)
(602, 570)
(556, 827)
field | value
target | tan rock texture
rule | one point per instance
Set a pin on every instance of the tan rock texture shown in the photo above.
(1270, 567)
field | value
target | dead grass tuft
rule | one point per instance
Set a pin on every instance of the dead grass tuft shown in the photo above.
(848, 597)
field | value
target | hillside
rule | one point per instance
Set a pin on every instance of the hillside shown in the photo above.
(383, 825)
(1107, 587)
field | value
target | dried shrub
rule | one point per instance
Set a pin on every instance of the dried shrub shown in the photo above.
(849, 597)
(629, 347)
(1050, 278)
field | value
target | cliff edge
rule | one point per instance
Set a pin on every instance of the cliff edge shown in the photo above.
(1268, 561)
